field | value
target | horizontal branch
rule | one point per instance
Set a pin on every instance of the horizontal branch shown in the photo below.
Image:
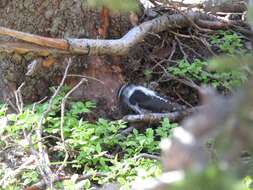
(121, 46)
(24, 48)
(113, 47)
(116, 46)
(36, 39)
(157, 117)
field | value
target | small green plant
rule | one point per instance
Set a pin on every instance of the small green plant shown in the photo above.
(147, 73)
(73, 183)
(194, 71)
(89, 143)
(228, 42)
(29, 177)
(197, 71)
(3, 109)
(164, 130)
(129, 169)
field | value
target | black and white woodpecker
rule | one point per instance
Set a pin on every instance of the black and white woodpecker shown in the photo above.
(140, 99)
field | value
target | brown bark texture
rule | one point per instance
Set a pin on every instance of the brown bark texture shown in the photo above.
(61, 19)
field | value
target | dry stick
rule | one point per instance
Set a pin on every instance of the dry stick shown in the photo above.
(116, 46)
(191, 21)
(181, 48)
(174, 44)
(35, 157)
(183, 100)
(35, 39)
(134, 36)
(12, 105)
(25, 47)
(38, 102)
(19, 99)
(87, 77)
(191, 49)
(62, 122)
(44, 167)
(206, 44)
(156, 117)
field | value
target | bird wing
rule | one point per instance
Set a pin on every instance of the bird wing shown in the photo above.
(152, 102)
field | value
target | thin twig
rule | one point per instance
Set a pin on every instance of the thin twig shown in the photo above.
(174, 44)
(87, 77)
(19, 99)
(62, 122)
(38, 102)
(12, 105)
(191, 49)
(191, 21)
(47, 174)
(181, 48)
(183, 100)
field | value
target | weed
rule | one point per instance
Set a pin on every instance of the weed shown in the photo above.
(228, 42)
(89, 144)
(197, 71)
(147, 73)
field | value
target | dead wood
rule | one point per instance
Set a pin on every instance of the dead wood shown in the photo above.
(64, 100)
(112, 47)
(156, 117)
(35, 39)
(24, 48)
(43, 160)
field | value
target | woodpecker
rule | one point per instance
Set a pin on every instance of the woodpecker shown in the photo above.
(140, 99)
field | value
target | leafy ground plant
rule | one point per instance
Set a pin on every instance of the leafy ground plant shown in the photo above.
(197, 71)
(94, 147)
(228, 42)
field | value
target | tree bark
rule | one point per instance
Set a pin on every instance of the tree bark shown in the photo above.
(61, 19)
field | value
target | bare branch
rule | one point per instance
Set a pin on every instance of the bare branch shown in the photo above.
(46, 172)
(62, 122)
(113, 47)
(156, 117)
(19, 99)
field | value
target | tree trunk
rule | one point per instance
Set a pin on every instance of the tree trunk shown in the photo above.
(61, 19)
